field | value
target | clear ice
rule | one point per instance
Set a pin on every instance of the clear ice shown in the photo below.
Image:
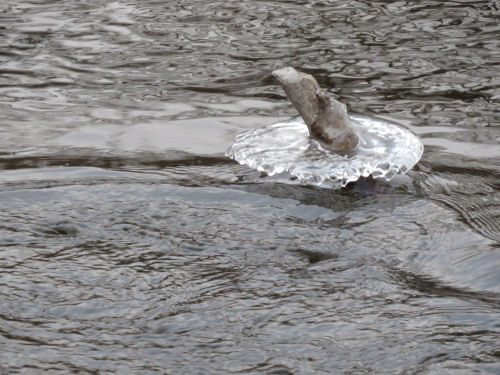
(385, 149)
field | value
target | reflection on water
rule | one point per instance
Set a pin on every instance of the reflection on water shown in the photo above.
(130, 244)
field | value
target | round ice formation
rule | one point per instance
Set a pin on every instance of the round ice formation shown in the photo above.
(385, 150)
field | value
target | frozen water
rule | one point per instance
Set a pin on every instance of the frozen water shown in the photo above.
(385, 150)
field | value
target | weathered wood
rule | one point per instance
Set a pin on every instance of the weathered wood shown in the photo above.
(325, 117)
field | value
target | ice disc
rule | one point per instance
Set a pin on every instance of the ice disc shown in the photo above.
(385, 150)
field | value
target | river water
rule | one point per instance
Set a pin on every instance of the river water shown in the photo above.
(130, 244)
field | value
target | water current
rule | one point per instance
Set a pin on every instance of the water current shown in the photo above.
(130, 244)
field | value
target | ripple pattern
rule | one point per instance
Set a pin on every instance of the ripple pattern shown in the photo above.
(130, 244)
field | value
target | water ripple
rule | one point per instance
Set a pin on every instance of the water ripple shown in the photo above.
(129, 243)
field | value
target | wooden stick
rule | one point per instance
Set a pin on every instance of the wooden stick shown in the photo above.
(325, 117)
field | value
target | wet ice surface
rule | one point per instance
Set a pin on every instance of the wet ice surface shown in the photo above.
(130, 244)
(384, 150)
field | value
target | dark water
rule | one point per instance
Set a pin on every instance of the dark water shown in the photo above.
(129, 244)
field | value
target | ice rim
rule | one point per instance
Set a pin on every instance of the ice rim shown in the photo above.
(385, 150)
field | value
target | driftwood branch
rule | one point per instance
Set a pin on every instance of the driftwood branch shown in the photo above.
(325, 117)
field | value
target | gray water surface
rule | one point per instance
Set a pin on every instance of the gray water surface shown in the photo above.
(130, 244)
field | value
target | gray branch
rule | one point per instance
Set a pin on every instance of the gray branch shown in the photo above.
(325, 117)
